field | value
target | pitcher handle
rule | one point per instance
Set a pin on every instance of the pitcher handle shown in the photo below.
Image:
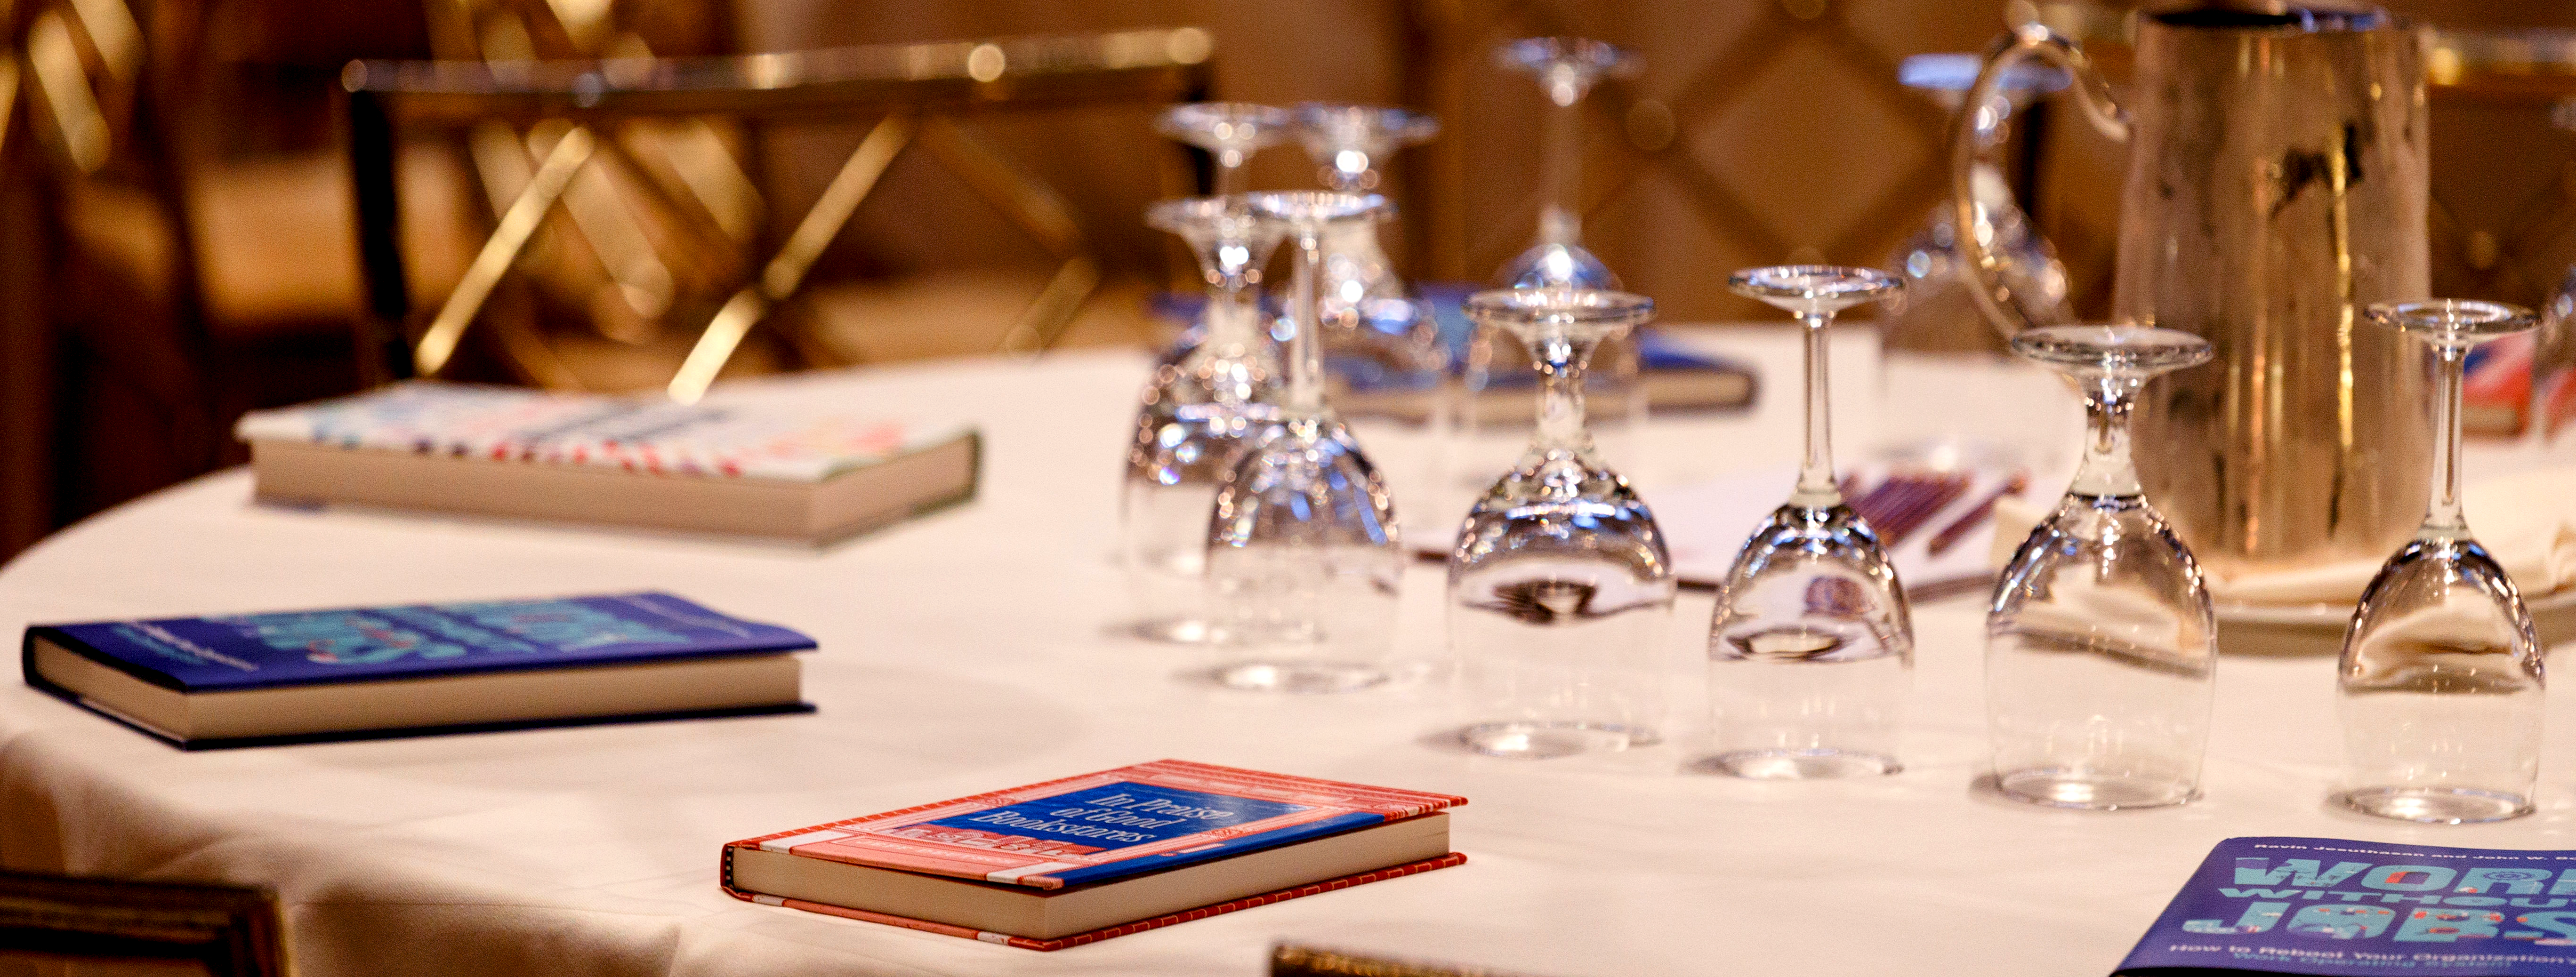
(2031, 40)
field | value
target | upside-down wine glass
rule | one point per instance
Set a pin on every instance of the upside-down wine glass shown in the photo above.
(1196, 416)
(2440, 684)
(1302, 545)
(2101, 653)
(1229, 131)
(1566, 68)
(1357, 289)
(1560, 586)
(1383, 353)
(1811, 650)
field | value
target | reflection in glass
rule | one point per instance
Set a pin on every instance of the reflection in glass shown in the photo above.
(2100, 649)
(1940, 325)
(1303, 558)
(1811, 651)
(2440, 690)
(1560, 586)
(1197, 414)
(1939, 315)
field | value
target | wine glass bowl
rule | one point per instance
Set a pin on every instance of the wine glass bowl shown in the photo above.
(2440, 685)
(1229, 131)
(2100, 642)
(1303, 550)
(1303, 555)
(1558, 264)
(1194, 419)
(1560, 585)
(1811, 649)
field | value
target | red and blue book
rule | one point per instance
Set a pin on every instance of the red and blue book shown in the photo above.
(407, 670)
(1085, 858)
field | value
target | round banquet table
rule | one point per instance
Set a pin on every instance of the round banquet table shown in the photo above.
(974, 649)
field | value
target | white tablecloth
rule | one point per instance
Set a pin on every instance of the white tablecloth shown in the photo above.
(971, 650)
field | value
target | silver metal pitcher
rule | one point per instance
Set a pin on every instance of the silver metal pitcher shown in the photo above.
(2276, 186)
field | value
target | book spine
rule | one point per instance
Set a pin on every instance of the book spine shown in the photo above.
(67, 641)
(1094, 936)
(1247, 902)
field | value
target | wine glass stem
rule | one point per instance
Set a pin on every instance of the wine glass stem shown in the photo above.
(1560, 408)
(1229, 172)
(2107, 470)
(1342, 180)
(1558, 222)
(1305, 359)
(2442, 519)
(1816, 471)
(1232, 324)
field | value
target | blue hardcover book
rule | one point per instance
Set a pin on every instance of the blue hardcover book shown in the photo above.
(2326, 906)
(371, 672)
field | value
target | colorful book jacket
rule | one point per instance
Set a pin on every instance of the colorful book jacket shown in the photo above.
(357, 644)
(2326, 906)
(642, 433)
(1103, 826)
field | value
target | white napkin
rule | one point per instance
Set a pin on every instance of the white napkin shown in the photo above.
(2527, 521)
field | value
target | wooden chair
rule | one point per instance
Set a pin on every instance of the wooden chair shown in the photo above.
(168, 238)
(231, 932)
(90, 348)
(928, 94)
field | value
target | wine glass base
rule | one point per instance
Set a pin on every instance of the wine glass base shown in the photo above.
(1535, 740)
(2435, 805)
(1783, 764)
(1299, 677)
(2093, 791)
(1177, 631)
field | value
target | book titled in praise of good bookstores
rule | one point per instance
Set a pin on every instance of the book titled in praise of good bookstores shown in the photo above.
(1086, 858)
(742, 467)
(372, 672)
(2348, 908)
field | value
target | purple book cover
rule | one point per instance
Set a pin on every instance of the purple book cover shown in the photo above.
(2327, 906)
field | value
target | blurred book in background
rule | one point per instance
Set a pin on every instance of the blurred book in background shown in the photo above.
(719, 466)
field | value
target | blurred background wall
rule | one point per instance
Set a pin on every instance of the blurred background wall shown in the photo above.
(181, 248)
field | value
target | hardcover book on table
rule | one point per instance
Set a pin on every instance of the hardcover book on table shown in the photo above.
(372, 672)
(2348, 908)
(1073, 861)
(721, 466)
